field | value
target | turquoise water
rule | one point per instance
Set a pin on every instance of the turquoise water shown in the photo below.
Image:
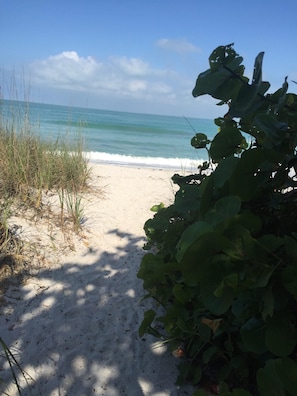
(117, 137)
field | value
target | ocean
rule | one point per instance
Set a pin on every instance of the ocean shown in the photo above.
(116, 137)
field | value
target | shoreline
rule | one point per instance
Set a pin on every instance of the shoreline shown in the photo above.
(175, 164)
(75, 324)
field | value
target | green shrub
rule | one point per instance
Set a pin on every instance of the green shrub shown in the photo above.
(225, 270)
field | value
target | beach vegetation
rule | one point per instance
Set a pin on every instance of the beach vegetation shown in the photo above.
(32, 172)
(223, 272)
(39, 179)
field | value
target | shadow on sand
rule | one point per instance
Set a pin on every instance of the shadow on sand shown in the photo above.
(74, 329)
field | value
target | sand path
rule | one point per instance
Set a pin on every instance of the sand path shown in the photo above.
(74, 327)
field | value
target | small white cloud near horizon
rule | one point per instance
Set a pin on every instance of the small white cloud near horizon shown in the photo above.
(177, 45)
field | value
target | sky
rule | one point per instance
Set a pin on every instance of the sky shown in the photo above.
(137, 56)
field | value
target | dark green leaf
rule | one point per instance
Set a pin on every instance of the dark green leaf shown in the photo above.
(226, 143)
(247, 180)
(291, 247)
(268, 304)
(273, 129)
(240, 392)
(196, 261)
(230, 281)
(149, 316)
(268, 380)
(216, 305)
(223, 210)
(281, 334)
(183, 293)
(200, 392)
(289, 279)
(228, 206)
(221, 81)
(287, 371)
(281, 95)
(191, 234)
(253, 336)
(257, 75)
(200, 140)
(209, 353)
(224, 170)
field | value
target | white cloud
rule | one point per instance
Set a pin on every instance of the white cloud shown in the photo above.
(119, 76)
(64, 69)
(119, 83)
(177, 45)
(132, 66)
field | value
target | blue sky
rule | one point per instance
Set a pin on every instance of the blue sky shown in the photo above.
(137, 56)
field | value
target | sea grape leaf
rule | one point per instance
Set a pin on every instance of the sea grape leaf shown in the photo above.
(153, 269)
(244, 106)
(183, 293)
(207, 190)
(268, 304)
(209, 353)
(249, 221)
(216, 305)
(149, 316)
(240, 306)
(287, 371)
(257, 74)
(224, 54)
(196, 260)
(175, 313)
(291, 247)
(281, 334)
(188, 371)
(281, 96)
(224, 170)
(230, 281)
(270, 242)
(220, 80)
(228, 206)
(204, 332)
(226, 143)
(253, 335)
(241, 243)
(289, 279)
(200, 140)
(273, 129)
(239, 392)
(190, 235)
(223, 209)
(247, 178)
(187, 199)
(208, 81)
(245, 99)
(157, 208)
(200, 392)
(268, 380)
(248, 94)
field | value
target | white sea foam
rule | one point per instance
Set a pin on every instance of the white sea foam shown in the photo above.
(149, 162)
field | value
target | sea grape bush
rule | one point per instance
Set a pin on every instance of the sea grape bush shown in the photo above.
(224, 267)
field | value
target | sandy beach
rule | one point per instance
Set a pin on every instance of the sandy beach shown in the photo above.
(73, 326)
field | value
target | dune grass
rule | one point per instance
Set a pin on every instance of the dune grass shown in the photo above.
(30, 167)
(28, 163)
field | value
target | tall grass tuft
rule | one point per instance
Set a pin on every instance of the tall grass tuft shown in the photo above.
(29, 168)
(30, 165)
